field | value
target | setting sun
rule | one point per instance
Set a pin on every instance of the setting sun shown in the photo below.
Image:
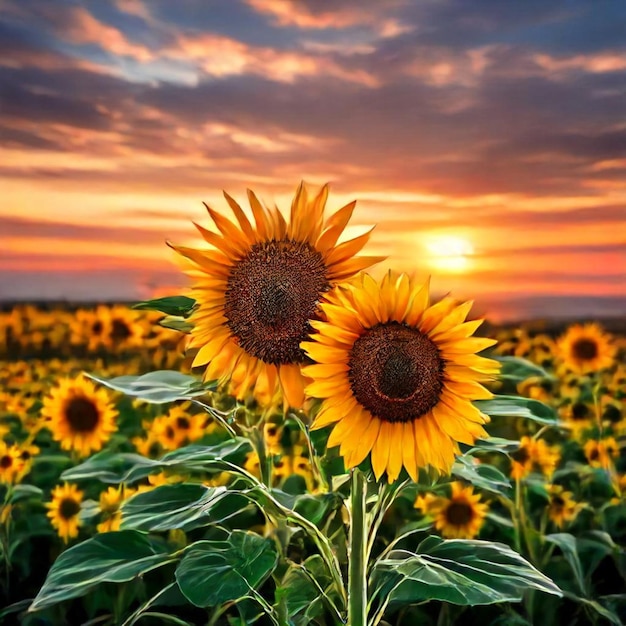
(449, 253)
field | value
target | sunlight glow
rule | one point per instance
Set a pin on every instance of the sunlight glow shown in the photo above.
(449, 253)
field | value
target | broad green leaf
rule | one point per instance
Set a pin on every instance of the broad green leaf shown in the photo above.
(593, 606)
(517, 369)
(315, 508)
(158, 387)
(466, 572)
(184, 505)
(114, 557)
(495, 444)
(303, 589)
(213, 572)
(128, 467)
(481, 475)
(23, 492)
(170, 305)
(516, 406)
(567, 544)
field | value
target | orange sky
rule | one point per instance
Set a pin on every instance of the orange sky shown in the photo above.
(489, 146)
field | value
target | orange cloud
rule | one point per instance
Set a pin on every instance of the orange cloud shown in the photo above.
(82, 28)
(593, 63)
(222, 56)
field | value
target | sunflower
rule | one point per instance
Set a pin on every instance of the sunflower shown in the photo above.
(579, 416)
(258, 288)
(562, 507)
(65, 509)
(110, 507)
(462, 515)
(397, 375)
(601, 453)
(533, 455)
(586, 348)
(79, 416)
(12, 464)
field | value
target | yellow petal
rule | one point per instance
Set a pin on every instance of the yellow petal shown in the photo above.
(380, 451)
(408, 450)
(292, 384)
(394, 465)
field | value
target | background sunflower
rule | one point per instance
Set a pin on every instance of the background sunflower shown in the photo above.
(64, 510)
(586, 348)
(79, 416)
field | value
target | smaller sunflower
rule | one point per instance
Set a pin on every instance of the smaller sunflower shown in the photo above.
(613, 414)
(562, 508)
(579, 416)
(80, 417)
(110, 507)
(64, 510)
(602, 453)
(533, 455)
(462, 515)
(272, 435)
(586, 348)
(11, 463)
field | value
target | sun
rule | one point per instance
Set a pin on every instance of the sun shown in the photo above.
(449, 253)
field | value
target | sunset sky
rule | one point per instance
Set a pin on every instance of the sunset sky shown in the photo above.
(486, 138)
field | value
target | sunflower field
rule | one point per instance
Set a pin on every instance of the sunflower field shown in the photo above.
(296, 442)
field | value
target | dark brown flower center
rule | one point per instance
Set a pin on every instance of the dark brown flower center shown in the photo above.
(120, 330)
(82, 415)
(594, 454)
(612, 414)
(585, 349)
(558, 502)
(459, 513)
(521, 455)
(396, 372)
(97, 327)
(271, 295)
(68, 508)
(182, 423)
(580, 411)
(6, 461)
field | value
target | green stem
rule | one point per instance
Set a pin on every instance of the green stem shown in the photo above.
(357, 572)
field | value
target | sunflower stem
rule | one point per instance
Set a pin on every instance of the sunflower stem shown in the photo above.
(357, 569)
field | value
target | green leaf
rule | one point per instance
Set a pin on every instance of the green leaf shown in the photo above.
(516, 406)
(465, 572)
(315, 508)
(128, 467)
(171, 305)
(114, 557)
(304, 589)
(516, 369)
(213, 572)
(24, 492)
(567, 545)
(176, 323)
(184, 505)
(495, 444)
(158, 387)
(481, 475)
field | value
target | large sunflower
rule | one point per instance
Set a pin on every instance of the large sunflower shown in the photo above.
(79, 416)
(259, 287)
(586, 348)
(397, 375)
(64, 510)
